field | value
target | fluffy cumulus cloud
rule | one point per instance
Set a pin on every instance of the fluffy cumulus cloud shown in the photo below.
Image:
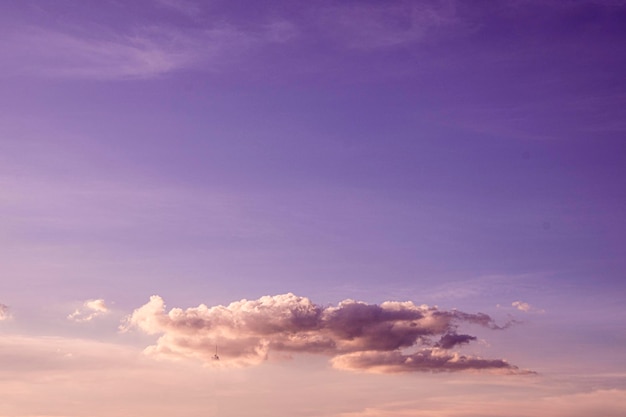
(4, 312)
(89, 310)
(390, 337)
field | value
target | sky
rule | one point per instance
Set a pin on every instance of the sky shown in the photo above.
(363, 208)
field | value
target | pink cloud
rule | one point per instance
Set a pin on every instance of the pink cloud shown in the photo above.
(606, 403)
(4, 312)
(89, 310)
(434, 360)
(355, 334)
(525, 307)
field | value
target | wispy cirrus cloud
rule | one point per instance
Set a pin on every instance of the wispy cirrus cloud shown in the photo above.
(144, 52)
(185, 7)
(89, 310)
(358, 336)
(52, 53)
(383, 25)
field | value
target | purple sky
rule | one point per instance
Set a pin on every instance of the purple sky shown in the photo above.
(302, 183)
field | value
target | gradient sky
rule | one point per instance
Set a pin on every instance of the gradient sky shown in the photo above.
(401, 208)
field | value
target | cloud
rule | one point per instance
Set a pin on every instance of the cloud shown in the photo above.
(4, 312)
(434, 360)
(181, 6)
(606, 403)
(146, 53)
(89, 310)
(450, 340)
(38, 372)
(374, 26)
(139, 53)
(38, 355)
(117, 380)
(356, 335)
(521, 306)
(525, 307)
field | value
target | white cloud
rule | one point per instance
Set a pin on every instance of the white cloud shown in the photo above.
(89, 310)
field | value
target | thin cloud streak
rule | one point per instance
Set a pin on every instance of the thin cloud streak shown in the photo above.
(433, 360)
(358, 336)
(607, 403)
(146, 52)
(184, 7)
(55, 54)
(369, 27)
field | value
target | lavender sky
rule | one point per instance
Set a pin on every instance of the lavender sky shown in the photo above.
(400, 208)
